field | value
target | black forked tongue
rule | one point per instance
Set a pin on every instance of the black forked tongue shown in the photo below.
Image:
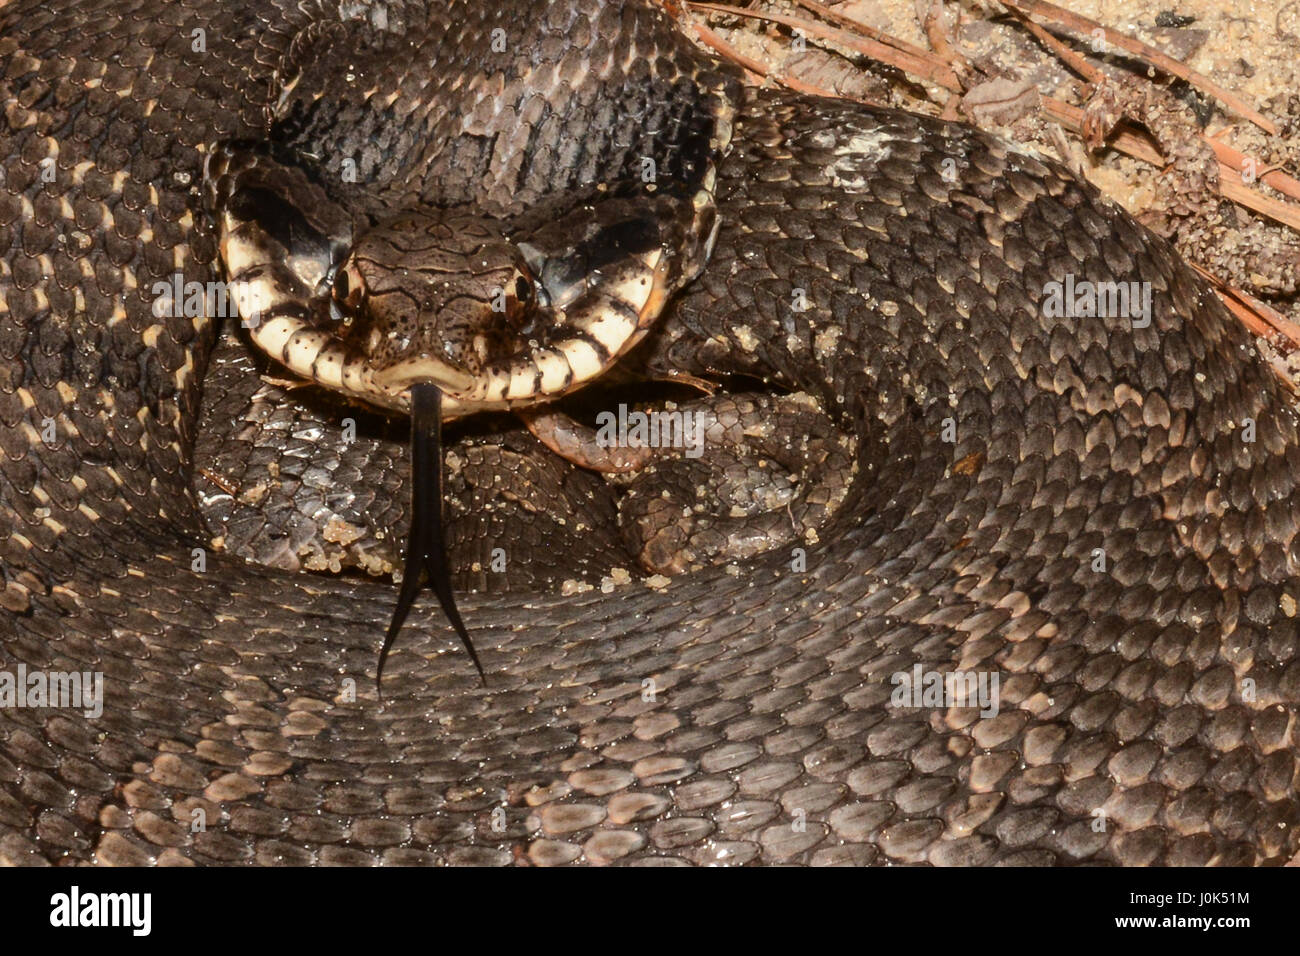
(425, 553)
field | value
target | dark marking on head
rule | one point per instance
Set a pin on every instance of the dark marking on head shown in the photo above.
(281, 220)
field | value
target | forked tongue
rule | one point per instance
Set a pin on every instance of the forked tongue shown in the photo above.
(425, 551)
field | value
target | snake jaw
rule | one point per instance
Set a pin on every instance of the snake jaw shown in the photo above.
(424, 369)
(426, 553)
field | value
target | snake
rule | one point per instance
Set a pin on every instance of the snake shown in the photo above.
(952, 468)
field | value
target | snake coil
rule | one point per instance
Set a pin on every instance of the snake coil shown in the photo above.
(1101, 513)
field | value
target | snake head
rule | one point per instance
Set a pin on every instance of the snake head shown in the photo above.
(445, 298)
(436, 299)
(495, 314)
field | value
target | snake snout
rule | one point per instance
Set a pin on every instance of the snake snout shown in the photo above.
(437, 299)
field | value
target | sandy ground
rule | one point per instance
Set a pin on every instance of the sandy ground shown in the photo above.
(1249, 48)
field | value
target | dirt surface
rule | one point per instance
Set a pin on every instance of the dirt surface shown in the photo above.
(1248, 48)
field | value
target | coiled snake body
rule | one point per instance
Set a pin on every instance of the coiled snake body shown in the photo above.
(1101, 512)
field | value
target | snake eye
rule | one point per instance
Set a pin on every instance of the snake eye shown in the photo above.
(347, 290)
(531, 293)
(521, 303)
(523, 290)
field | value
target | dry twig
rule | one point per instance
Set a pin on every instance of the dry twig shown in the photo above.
(939, 68)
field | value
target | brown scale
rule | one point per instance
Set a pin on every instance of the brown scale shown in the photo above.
(1123, 692)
